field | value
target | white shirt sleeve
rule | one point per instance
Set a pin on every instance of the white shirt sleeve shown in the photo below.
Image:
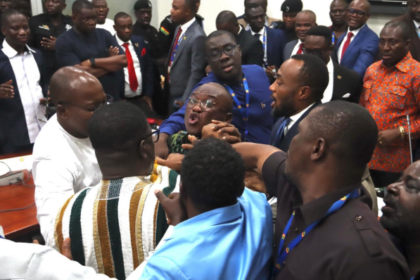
(32, 261)
(54, 185)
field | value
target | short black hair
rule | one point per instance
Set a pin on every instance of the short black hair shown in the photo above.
(191, 4)
(212, 174)
(117, 127)
(219, 33)
(7, 14)
(226, 17)
(121, 15)
(349, 129)
(322, 31)
(314, 74)
(405, 29)
(78, 5)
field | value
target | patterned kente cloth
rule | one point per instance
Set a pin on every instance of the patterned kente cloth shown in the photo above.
(115, 225)
(175, 142)
(390, 95)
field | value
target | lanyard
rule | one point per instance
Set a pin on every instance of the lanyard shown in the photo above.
(282, 254)
(333, 38)
(244, 113)
(265, 51)
(176, 48)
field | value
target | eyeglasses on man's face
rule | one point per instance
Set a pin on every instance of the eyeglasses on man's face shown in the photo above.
(356, 13)
(155, 137)
(204, 105)
(228, 50)
(109, 100)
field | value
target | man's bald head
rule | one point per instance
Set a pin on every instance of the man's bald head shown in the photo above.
(220, 93)
(67, 82)
(76, 95)
(226, 20)
(361, 3)
(307, 13)
(358, 14)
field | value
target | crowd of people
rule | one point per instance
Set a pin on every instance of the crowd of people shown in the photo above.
(277, 138)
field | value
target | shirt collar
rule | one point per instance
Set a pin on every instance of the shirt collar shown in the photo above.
(240, 29)
(261, 32)
(207, 219)
(315, 210)
(403, 65)
(416, 24)
(121, 42)
(355, 31)
(11, 52)
(186, 25)
(296, 117)
(330, 66)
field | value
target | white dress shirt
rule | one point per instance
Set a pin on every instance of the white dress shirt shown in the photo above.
(28, 80)
(340, 48)
(328, 93)
(296, 48)
(128, 92)
(262, 32)
(186, 25)
(295, 118)
(108, 25)
(240, 29)
(63, 165)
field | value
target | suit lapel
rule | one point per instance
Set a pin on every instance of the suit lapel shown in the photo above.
(357, 41)
(185, 38)
(269, 46)
(338, 83)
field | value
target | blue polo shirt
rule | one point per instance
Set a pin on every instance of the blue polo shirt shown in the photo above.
(260, 120)
(72, 48)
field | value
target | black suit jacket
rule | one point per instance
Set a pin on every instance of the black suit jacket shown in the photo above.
(347, 84)
(285, 143)
(415, 40)
(251, 47)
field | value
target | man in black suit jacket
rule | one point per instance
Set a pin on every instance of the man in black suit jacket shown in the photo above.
(295, 94)
(251, 48)
(413, 20)
(345, 84)
(138, 75)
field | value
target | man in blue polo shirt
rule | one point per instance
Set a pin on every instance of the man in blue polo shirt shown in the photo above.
(247, 84)
(93, 50)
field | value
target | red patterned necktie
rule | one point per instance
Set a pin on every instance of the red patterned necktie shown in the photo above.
(175, 44)
(346, 44)
(132, 78)
(300, 50)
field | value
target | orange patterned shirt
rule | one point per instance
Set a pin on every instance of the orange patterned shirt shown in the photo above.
(390, 94)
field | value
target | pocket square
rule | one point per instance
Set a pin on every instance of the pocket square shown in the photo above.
(347, 95)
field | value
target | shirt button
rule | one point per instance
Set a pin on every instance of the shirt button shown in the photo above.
(296, 229)
(359, 218)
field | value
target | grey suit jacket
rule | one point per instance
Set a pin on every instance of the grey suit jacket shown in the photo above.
(288, 49)
(188, 67)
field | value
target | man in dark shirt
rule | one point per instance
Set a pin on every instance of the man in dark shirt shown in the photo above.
(92, 49)
(290, 9)
(142, 27)
(45, 29)
(251, 48)
(338, 15)
(167, 30)
(325, 228)
(401, 215)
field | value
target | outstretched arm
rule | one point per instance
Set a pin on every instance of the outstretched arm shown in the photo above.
(255, 155)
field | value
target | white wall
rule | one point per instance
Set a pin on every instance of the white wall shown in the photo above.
(210, 9)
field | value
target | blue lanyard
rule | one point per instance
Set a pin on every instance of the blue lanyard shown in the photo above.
(333, 38)
(176, 47)
(244, 113)
(282, 254)
(264, 42)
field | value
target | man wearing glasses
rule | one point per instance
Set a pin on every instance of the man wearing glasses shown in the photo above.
(247, 84)
(64, 160)
(358, 49)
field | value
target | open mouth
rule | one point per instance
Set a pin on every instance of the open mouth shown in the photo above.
(193, 119)
(227, 68)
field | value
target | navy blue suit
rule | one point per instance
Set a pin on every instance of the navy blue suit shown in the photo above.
(362, 51)
(285, 142)
(276, 41)
(13, 129)
(143, 54)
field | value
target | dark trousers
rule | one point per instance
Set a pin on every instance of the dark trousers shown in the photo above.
(382, 179)
(143, 105)
(5, 150)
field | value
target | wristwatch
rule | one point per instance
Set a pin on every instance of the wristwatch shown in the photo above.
(92, 61)
(402, 131)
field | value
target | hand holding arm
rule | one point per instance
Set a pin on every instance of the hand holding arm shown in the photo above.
(6, 90)
(174, 210)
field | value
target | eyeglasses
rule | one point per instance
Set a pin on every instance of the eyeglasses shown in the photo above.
(204, 105)
(338, 12)
(228, 50)
(155, 136)
(356, 13)
(109, 100)
(313, 52)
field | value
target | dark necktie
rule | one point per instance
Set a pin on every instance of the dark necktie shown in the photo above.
(257, 36)
(346, 44)
(280, 132)
(132, 77)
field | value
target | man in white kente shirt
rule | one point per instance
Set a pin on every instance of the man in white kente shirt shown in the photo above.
(64, 160)
(22, 86)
